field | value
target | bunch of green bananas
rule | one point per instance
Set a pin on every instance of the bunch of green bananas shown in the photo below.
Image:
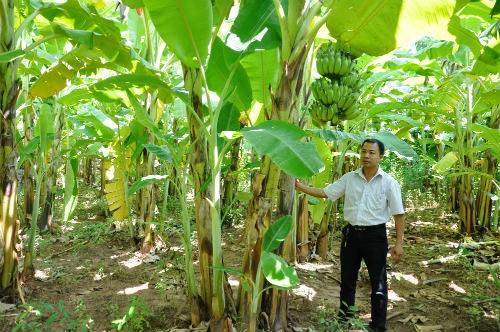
(337, 90)
(333, 64)
(322, 113)
(352, 80)
(333, 93)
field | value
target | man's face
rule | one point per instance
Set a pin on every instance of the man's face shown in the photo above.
(370, 155)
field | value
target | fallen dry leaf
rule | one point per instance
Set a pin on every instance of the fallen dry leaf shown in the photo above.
(433, 328)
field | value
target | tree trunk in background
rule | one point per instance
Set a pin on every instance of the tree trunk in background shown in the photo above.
(103, 179)
(322, 239)
(9, 92)
(484, 202)
(200, 170)
(173, 179)
(303, 229)
(46, 220)
(146, 203)
(231, 180)
(88, 171)
(28, 173)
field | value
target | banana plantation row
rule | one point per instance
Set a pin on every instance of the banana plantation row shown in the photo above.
(233, 102)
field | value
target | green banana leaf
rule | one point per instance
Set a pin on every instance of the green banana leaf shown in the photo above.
(144, 182)
(73, 16)
(465, 36)
(220, 76)
(11, 55)
(262, 68)
(281, 141)
(186, 27)
(161, 151)
(391, 141)
(320, 180)
(277, 233)
(133, 3)
(396, 145)
(490, 135)
(260, 31)
(446, 162)
(115, 89)
(377, 27)
(278, 272)
(70, 187)
(94, 123)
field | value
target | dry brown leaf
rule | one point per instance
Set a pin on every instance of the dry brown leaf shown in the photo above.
(433, 328)
(6, 307)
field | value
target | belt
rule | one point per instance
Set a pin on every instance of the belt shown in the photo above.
(366, 228)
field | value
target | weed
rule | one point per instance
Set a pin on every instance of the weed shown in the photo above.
(112, 309)
(45, 317)
(135, 318)
(163, 285)
(95, 231)
(329, 321)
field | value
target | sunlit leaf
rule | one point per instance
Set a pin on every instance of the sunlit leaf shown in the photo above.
(144, 182)
(186, 27)
(11, 55)
(378, 27)
(70, 188)
(278, 272)
(225, 72)
(446, 162)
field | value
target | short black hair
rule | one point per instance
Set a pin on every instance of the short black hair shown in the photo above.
(381, 147)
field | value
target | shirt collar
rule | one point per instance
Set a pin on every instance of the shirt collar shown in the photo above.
(380, 172)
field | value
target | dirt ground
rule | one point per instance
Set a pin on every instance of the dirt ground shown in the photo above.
(99, 280)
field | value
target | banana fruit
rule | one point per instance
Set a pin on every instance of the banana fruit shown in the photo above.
(337, 91)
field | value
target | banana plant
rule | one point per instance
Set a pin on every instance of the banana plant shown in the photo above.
(36, 152)
(276, 270)
(9, 91)
(187, 29)
(174, 150)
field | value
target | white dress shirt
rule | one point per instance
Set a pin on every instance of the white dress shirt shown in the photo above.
(367, 203)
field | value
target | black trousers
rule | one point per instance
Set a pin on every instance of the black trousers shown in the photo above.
(368, 244)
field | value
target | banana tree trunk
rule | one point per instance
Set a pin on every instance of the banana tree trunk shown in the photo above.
(323, 234)
(467, 210)
(146, 204)
(88, 171)
(258, 218)
(9, 92)
(285, 104)
(231, 181)
(303, 229)
(46, 220)
(484, 201)
(28, 172)
(200, 170)
(103, 178)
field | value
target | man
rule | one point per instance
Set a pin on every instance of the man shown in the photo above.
(371, 197)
